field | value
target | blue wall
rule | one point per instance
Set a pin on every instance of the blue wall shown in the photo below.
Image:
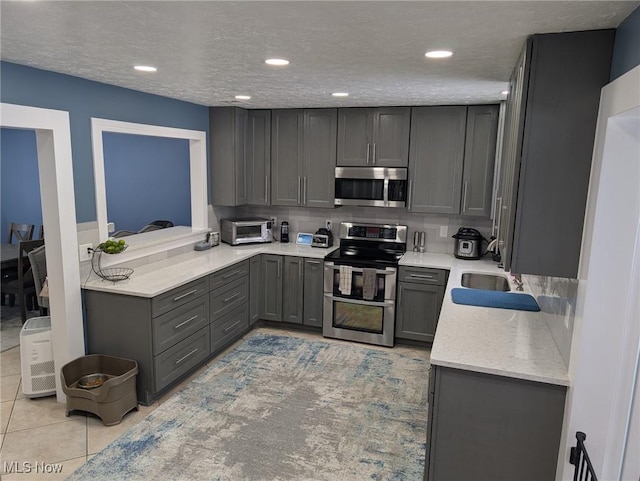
(150, 173)
(20, 184)
(626, 49)
(84, 99)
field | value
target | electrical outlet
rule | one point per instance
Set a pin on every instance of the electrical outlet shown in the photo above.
(329, 224)
(85, 251)
(274, 222)
(444, 231)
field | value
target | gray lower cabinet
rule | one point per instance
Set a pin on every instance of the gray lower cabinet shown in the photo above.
(167, 335)
(255, 279)
(291, 289)
(271, 282)
(313, 292)
(436, 157)
(227, 159)
(420, 297)
(173, 333)
(550, 125)
(373, 136)
(485, 427)
(303, 156)
(258, 152)
(292, 296)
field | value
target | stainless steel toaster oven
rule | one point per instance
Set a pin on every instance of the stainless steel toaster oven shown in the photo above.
(245, 231)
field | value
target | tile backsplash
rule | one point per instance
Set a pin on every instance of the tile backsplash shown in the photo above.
(310, 220)
(556, 297)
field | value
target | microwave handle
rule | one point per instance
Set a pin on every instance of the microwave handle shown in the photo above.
(385, 189)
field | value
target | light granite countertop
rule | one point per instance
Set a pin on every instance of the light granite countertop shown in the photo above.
(489, 340)
(504, 342)
(171, 271)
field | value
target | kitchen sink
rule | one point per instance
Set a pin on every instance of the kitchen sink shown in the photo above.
(487, 282)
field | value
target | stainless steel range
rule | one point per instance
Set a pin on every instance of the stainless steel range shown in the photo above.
(360, 283)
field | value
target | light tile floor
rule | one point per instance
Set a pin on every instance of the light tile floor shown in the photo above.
(37, 430)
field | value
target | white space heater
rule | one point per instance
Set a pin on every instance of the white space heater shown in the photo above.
(36, 358)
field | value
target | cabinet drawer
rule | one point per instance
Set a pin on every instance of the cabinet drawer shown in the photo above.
(180, 323)
(230, 327)
(225, 299)
(179, 359)
(229, 274)
(178, 297)
(423, 275)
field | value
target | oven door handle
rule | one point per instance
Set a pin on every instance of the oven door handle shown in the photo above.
(356, 301)
(384, 272)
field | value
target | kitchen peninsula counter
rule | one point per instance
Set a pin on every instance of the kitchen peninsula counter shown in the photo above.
(495, 341)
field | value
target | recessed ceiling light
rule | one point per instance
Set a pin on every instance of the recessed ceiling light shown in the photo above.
(505, 92)
(243, 97)
(340, 94)
(145, 68)
(276, 61)
(438, 54)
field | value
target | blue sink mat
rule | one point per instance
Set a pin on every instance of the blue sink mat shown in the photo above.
(501, 300)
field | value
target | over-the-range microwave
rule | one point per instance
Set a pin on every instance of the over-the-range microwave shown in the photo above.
(371, 186)
(245, 230)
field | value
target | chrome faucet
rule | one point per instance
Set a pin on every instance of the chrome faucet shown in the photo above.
(517, 279)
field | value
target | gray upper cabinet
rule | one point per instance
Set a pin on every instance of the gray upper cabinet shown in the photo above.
(303, 156)
(258, 153)
(286, 156)
(292, 297)
(479, 160)
(228, 167)
(436, 158)
(373, 136)
(549, 134)
(313, 292)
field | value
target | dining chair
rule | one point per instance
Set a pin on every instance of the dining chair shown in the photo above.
(24, 286)
(21, 232)
(38, 261)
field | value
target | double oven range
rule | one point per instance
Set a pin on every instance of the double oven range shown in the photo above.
(360, 283)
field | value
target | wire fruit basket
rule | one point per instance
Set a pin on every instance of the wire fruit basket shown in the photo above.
(113, 274)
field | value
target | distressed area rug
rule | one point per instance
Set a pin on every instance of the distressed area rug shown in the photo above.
(282, 408)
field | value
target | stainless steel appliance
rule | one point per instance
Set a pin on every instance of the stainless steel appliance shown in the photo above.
(371, 186)
(360, 283)
(468, 243)
(245, 230)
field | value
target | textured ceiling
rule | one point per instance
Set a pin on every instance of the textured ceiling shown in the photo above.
(208, 52)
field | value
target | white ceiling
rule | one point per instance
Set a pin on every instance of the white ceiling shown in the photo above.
(208, 51)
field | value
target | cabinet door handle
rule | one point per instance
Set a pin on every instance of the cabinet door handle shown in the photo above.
(499, 215)
(299, 185)
(237, 271)
(368, 150)
(178, 326)
(304, 185)
(231, 298)
(313, 262)
(232, 326)
(279, 268)
(185, 295)
(300, 271)
(421, 276)
(266, 189)
(464, 197)
(409, 193)
(184, 357)
(373, 157)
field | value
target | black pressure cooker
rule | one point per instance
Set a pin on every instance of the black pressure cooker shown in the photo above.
(468, 243)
